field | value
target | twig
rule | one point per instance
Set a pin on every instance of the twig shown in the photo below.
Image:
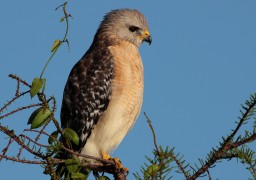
(243, 141)
(56, 124)
(42, 129)
(20, 151)
(21, 160)
(111, 169)
(37, 131)
(89, 157)
(12, 135)
(12, 100)
(157, 149)
(19, 80)
(153, 132)
(18, 88)
(6, 148)
(209, 175)
(33, 141)
(76, 153)
(180, 166)
(20, 109)
(64, 39)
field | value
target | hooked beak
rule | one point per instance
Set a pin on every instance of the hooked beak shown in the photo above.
(147, 37)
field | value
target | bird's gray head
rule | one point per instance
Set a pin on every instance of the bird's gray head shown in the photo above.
(125, 24)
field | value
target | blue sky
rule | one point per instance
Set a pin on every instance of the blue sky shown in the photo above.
(198, 70)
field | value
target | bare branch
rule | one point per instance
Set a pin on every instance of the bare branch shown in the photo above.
(12, 135)
(153, 132)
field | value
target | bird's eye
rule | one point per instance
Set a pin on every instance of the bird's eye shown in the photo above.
(133, 28)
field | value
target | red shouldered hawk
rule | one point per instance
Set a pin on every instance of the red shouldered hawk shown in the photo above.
(103, 94)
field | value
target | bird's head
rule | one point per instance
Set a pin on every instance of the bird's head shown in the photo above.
(126, 24)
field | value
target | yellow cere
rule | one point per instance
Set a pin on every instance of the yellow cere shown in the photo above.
(146, 33)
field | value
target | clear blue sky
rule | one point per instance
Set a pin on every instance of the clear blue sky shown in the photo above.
(198, 70)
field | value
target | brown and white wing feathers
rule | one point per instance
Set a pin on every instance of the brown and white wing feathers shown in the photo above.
(87, 93)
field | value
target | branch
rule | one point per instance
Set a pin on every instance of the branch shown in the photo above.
(21, 160)
(12, 135)
(101, 165)
(228, 144)
(19, 109)
(153, 132)
(11, 101)
(243, 141)
(19, 80)
(159, 154)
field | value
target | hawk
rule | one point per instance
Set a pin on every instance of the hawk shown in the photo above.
(103, 94)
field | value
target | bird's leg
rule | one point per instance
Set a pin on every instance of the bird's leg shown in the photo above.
(120, 166)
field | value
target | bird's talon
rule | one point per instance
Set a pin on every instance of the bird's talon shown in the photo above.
(125, 170)
(105, 156)
(117, 161)
(120, 165)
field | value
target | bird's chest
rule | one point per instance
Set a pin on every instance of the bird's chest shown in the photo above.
(124, 105)
(127, 84)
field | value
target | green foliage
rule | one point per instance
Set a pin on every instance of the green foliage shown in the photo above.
(39, 117)
(55, 45)
(235, 145)
(78, 176)
(103, 178)
(151, 171)
(37, 84)
(248, 157)
(53, 137)
(70, 135)
(72, 165)
(158, 167)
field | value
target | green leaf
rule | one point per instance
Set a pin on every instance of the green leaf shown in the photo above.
(36, 86)
(39, 117)
(68, 44)
(62, 19)
(78, 176)
(53, 137)
(55, 45)
(103, 178)
(151, 170)
(71, 135)
(72, 165)
(32, 116)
